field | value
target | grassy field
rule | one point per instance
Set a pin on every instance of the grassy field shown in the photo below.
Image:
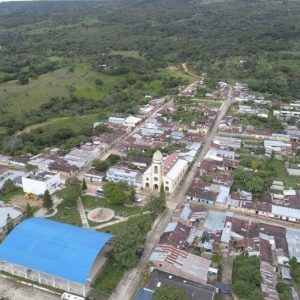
(279, 173)
(7, 196)
(180, 73)
(132, 53)
(116, 228)
(16, 98)
(113, 229)
(69, 216)
(76, 123)
(90, 202)
(110, 276)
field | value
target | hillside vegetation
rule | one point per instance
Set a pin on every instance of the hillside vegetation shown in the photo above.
(102, 57)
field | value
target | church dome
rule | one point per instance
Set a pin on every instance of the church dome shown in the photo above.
(157, 157)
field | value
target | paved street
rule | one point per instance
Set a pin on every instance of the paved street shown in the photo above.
(180, 196)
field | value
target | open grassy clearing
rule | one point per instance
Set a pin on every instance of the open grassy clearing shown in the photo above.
(6, 196)
(68, 216)
(180, 73)
(132, 53)
(91, 202)
(76, 123)
(276, 170)
(16, 98)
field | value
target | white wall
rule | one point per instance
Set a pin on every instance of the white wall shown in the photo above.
(37, 187)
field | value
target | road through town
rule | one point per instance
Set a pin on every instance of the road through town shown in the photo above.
(180, 196)
(131, 278)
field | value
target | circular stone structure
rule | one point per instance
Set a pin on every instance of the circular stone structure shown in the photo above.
(100, 214)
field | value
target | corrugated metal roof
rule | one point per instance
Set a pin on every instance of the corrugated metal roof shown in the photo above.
(55, 248)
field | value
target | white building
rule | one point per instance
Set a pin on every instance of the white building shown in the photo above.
(116, 120)
(132, 121)
(168, 172)
(81, 158)
(93, 175)
(38, 182)
(126, 175)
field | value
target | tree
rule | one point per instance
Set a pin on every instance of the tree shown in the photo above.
(207, 178)
(47, 200)
(9, 224)
(128, 241)
(84, 186)
(23, 79)
(169, 292)
(29, 211)
(126, 246)
(257, 294)
(156, 204)
(132, 193)
(162, 193)
(240, 288)
(71, 192)
(98, 81)
(115, 192)
(9, 186)
(295, 268)
(71, 69)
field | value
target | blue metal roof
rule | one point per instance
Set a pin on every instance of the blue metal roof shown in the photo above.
(143, 294)
(55, 248)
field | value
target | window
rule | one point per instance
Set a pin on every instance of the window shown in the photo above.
(167, 182)
(155, 170)
(147, 179)
(155, 179)
(160, 265)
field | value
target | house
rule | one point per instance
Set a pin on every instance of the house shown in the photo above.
(116, 120)
(123, 174)
(63, 167)
(139, 161)
(180, 263)
(81, 157)
(177, 135)
(19, 160)
(189, 214)
(37, 182)
(263, 113)
(193, 289)
(93, 175)
(15, 212)
(176, 234)
(132, 121)
(3, 171)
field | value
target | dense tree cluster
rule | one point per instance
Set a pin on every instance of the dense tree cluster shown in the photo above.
(115, 192)
(102, 166)
(246, 278)
(129, 242)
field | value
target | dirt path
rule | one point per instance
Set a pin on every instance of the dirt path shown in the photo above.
(190, 73)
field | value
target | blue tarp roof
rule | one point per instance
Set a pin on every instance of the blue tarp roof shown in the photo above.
(55, 248)
(143, 294)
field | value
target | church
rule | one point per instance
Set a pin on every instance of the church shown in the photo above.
(167, 172)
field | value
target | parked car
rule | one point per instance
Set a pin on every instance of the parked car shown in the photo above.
(137, 199)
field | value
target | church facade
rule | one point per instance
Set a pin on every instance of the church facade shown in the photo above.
(164, 172)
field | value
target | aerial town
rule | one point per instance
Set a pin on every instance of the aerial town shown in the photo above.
(211, 187)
